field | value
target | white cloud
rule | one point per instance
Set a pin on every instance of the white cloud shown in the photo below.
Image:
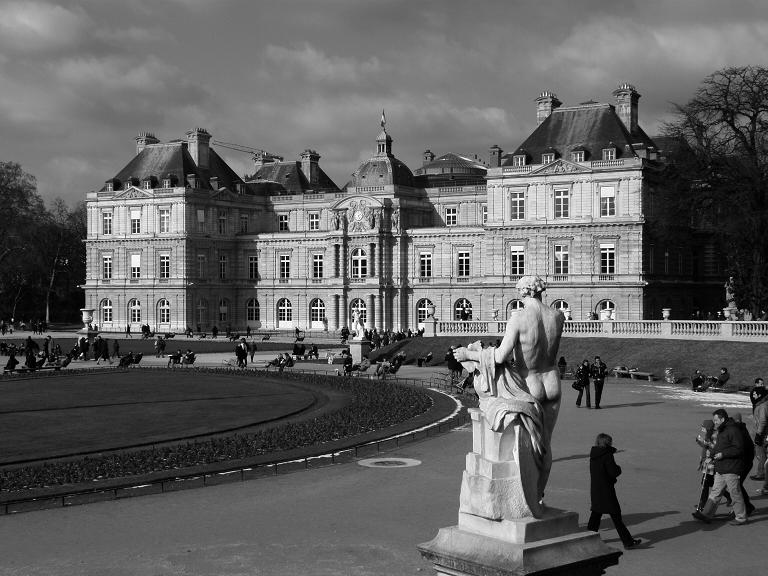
(316, 66)
(33, 27)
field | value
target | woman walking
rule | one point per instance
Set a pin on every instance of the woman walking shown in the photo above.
(603, 472)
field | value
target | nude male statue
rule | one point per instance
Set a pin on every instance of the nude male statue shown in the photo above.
(529, 389)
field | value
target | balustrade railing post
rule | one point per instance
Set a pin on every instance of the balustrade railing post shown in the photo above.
(666, 328)
(726, 329)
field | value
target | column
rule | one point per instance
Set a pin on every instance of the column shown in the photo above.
(371, 311)
(380, 311)
(372, 268)
(344, 310)
(335, 313)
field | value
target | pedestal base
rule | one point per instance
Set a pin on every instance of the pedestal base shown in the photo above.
(551, 545)
(358, 349)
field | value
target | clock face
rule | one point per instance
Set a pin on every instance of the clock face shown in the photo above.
(357, 216)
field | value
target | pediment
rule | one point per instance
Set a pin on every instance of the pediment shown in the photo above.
(132, 193)
(369, 201)
(560, 166)
(223, 194)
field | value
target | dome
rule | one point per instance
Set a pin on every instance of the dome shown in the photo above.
(383, 168)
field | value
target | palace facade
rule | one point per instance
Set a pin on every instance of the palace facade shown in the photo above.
(177, 239)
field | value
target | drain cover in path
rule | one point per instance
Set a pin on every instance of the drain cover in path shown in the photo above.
(389, 462)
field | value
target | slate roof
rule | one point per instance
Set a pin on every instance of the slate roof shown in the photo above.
(381, 170)
(590, 127)
(451, 170)
(288, 178)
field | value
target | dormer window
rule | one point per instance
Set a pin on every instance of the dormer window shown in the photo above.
(147, 184)
(166, 182)
(547, 157)
(110, 187)
(609, 153)
(577, 156)
(518, 160)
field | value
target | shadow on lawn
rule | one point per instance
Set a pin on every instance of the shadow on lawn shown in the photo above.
(631, 405)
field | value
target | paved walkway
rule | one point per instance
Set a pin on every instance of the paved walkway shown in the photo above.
(349, 519)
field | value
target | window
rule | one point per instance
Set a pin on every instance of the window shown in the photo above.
(223, 310)
(517, 205)
(243, 223)
(425, 265)
(422, 310)
(463, 265)
(147, 184)
(106, 310)
(316, 310)
(359, 306)
(561, 259)
(110, 187)
(222, 221)
(314, 221)
(201, 220)
(561, 305)
(135, 265)
(165, 220)
(451, 216)
(609, 153)
(577, 156)
(164, 311)
(285, 266)
(607, 258)
(547, 158)
(484, 213)
(135, 220)
(561, 203)
(517, 261)
(166, 182)
(106, 223)
(223, 265)
(359, 263)
(134, 311)
(462, 310)
(282, 222)
(514, 305)
(606, 310)
(202, 266)
(284, 310)
(106, 267)
(317, 265)
(518, 160)
(253, 267)
(607, 201)
(202, 311)
(165, 266)
(253, 310)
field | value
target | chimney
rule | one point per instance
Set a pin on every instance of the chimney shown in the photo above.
(143, 139)
(198, 144)
(428, 157)
(309, 160)
(261, 159)
(626, 105)
(494, 156)
(214, 180)
(192, 179)
(546, 103)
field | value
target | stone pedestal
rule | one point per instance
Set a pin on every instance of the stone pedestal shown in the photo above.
(358, 349)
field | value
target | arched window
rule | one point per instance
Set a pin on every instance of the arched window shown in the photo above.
(359, 305)
(202, 311)
(134, 311)
(561, 305)
(316, 310)
(223, 310)
(422, 310)
(462, 310)
(253, 311)
(164, 311)
(106, 310)
(513, 305)
(284, 310)
(606, 310)
(359, 263)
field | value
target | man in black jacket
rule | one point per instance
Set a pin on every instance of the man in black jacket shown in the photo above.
(728, 454)
(598, 370)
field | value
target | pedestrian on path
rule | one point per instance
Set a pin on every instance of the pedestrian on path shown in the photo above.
(598, 370)
(581, 382)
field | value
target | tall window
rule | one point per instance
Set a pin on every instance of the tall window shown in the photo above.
(316, 310)
(106, 223)
(134, 311)
(463, 265)
(517, 204)
(451, 216)
(164, 311)
(106, 310)
(222, 221)
(202, 311)
(165, 220)
(202, 266)
(314, 221)
(517, 260)
(165, 266)
(135, 265)
(359, 306)
(561, 259)
(223, 265)
(106, 267)
(607, 259)
(223, 310)
(284, 310)
(359, 263)
(253, 310)
(243, 223)
(561, 305)
(422, 310)
(484, 212)
(425, 265)
(561, 203)
(135, 220)
(201, 220)
(462, 310)
(285, 266)
(317, 265)
(607, 201)
(282, 222)
(253, 267)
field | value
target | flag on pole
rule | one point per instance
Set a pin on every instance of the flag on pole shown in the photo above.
(383, 119)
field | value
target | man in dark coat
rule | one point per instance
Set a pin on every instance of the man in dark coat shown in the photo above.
(598, 370)
(603, 472)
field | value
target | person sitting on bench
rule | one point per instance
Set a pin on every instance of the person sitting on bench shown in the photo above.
(313, 352)
(10, 366)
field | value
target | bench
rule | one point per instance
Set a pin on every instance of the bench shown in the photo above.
(634, 374)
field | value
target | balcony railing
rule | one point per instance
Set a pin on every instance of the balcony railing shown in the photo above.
(606, 277)
(424, 279)
(607, 163)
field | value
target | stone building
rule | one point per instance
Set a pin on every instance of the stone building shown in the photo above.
(178, 239)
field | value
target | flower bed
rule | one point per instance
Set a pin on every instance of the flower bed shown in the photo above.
(374, 405)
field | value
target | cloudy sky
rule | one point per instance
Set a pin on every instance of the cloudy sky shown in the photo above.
(79, 79)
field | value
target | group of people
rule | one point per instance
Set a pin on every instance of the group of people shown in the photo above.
(596, 372)
(381, 338)
(702, 383)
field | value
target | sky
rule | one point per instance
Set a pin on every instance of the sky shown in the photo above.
(80, 79)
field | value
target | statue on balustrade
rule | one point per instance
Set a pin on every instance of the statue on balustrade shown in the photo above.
(730, 292)
(518, 384)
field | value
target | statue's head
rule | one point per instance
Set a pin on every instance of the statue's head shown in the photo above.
(531, 286)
